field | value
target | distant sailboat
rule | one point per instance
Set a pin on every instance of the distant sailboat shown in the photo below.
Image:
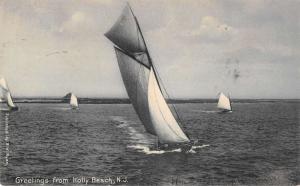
(140, 80)
(73, 101)
(224, 103)
(7, 95)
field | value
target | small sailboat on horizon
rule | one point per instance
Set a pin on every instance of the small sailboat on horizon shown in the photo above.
(74, 102)
(6, 95)
(224, 103)
(141, 82)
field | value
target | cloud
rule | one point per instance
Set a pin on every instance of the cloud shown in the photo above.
(209, 29)
(77, 21)
(78, 17)
(212, 29)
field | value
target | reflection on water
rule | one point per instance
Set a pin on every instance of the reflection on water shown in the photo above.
(6, 138)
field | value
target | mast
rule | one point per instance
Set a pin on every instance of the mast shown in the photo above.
(147, 52)
(160, 83)
(230, 102)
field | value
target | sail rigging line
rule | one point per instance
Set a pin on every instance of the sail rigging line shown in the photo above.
(137, 33)
(159, 80)
(131, 56)
(160, 83)
(178, 118)
(168, 97)
(171, 129)
(136, 83)
(146, 51)
(139, 30)
(230, 102)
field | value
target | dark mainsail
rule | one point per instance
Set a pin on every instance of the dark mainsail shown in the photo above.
(125, 33)
(135, 77)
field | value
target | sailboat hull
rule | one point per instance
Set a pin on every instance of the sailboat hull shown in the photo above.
(14, 108)
(185, 147)
(225, 111)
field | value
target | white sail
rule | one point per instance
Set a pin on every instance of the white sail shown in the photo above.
(224, 102)
(73, 101)
(3, 84)
(2, 94)
(10, 102)
(6, 94)
(165, 125)
(140, 80)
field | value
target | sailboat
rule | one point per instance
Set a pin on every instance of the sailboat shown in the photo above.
(73, 101)
(7, 95)
(141, 82)
(224, 103)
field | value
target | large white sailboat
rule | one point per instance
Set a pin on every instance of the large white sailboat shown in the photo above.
(140, 80)
(73, 102)
(224, 103)
(6, 95)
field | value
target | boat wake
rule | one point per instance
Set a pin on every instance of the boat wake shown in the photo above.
(135, 136)
(147, 150)
(194, 148)
(144, 144)
(207, 111)
(61, 108)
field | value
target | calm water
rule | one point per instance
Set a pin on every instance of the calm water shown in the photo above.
(257, 144)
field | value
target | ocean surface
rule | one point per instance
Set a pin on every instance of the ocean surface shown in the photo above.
(257, 144)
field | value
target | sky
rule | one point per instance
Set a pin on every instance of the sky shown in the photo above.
(247, 48)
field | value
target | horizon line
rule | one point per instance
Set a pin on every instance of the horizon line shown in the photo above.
(58, 97)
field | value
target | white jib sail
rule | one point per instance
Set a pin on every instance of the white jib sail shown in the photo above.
(224, 102)
(166, 126)
(10, 102)
(73, 101)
